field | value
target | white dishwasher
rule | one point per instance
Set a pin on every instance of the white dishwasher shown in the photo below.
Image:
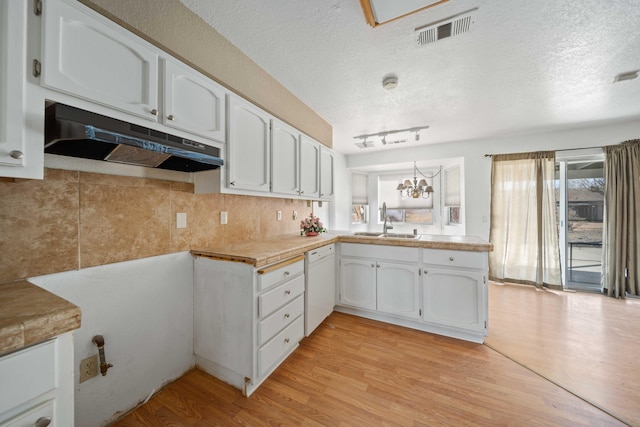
(320, 295)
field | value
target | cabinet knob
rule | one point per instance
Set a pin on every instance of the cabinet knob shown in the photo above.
(42, 422)
(286, 315)
(232, 183)
(450, 258)
(286, 340)
(426, 272)
(170, 117)
(15, 154)
(154, 112)
(287, 292)
(377, 265)
(286, 273)
(302, 192)
(373, 265)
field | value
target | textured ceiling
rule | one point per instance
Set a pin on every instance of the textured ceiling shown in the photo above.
(524, 66)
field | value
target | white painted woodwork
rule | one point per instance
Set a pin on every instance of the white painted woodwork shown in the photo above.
(192, 102)
(398, 289)
(326, 173)
(358, 283)
(84, 55)
(455, 298)
(249, 146)
(245, 326)
(21, 153)
(285, 158)
(37, 381)
(383, 283)
(309, 167)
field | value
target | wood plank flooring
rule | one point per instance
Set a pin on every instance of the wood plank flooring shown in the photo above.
(359, 372)
(585, 342)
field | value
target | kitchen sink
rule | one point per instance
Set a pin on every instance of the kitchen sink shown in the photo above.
(399, 236)
(368, 233)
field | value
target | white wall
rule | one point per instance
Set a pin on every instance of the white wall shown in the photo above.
(477, 168)
(144, 310)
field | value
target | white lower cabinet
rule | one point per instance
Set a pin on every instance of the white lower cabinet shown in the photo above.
(246, 321)
(37, 384)
(439, 291)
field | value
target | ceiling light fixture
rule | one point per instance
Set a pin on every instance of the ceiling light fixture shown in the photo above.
(365, 143)
(630, 75)
(416, 189)
(390, 82)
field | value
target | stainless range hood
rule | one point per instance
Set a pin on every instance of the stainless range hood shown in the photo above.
(70, 131)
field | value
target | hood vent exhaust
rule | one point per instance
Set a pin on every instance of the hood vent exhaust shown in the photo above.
(72, 132)
(449, 27)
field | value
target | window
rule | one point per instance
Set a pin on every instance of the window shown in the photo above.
(359, 198)
(452, 195)
(403, 210)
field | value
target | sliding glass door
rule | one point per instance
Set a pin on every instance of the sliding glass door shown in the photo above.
(580, 200)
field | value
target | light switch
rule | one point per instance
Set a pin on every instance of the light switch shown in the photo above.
(295, 214)
(279, 215)
(223, 217)
(181, 220)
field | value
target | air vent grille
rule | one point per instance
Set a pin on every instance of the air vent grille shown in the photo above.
(444, 29)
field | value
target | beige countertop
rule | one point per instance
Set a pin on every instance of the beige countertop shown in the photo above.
(30, 314)
(260, 253)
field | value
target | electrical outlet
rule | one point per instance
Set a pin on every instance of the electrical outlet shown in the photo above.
(88, 368)
(279, 215)
(181, 220)
(224, 216)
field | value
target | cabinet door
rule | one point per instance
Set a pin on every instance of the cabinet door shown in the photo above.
(285, 157)
(192, 102)
(249, 145)
(88, 56)
(358, 283)
(326, 173)
(309, 167)
(455, 298)
(21, 153)
(398, 288)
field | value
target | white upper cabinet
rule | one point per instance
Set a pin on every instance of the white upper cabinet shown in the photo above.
(285, 154)
(326, 173)
(21, 149)
(192, 102)
(309, 167)
(248, 154)
(85, 57)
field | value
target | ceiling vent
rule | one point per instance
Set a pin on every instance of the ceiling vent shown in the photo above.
(449, 27)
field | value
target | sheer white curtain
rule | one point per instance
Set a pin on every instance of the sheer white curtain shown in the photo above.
(523, 229)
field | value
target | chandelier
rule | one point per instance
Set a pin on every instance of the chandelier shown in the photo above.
(415, 189)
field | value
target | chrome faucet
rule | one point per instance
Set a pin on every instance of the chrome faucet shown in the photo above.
(386, 226)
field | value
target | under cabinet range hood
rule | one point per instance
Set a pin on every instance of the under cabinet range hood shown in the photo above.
(70, 131)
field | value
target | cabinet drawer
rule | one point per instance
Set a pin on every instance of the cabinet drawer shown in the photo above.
(27, 374)
(280, 345)
(381, 252)
(276, 276)
(278, 320)
(29, 417)
(276, 298)
(463, 259)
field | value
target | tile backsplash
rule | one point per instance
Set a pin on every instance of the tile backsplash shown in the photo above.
(73, 220)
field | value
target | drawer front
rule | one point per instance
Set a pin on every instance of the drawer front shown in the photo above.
(380, 252)
(26, 374)
(462, 259)
(279, 320)
(272, 300)
(32, 415)
(281, 344)
(267, 280)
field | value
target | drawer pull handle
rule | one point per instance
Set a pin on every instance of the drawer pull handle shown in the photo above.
(287, 292)
(42, 422)
(286, 273)
(15, 154)
(286, 340)
(286, 315)
(450, 258)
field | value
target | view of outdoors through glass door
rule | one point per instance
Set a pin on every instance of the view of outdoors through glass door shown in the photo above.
(581, 222)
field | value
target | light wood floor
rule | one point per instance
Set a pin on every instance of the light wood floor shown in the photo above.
(358, 372)
(585, 342)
